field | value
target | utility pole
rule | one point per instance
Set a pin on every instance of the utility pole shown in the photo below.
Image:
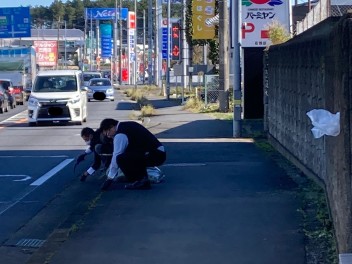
(135, 45)
(120, 59)
(114, 63)
(168, 51)
(223, 56)
(236, 63)
(150, 40)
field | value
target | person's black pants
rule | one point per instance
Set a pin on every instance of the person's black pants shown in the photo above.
(105, 153)
(134, 163)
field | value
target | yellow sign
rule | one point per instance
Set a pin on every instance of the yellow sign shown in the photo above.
(203, 10)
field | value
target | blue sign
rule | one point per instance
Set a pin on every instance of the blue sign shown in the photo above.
(106, 46)
(15, 22)
(106, 13)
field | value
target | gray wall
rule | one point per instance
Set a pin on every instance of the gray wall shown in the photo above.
(311, 71)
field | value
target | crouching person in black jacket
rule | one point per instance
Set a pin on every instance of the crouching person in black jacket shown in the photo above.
(135, 149)
(100, 146)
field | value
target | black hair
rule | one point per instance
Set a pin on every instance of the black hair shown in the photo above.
(107, 124)
(87, 131)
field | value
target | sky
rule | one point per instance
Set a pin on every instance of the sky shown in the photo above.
(12, 3)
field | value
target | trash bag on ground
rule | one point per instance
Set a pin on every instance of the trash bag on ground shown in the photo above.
(324, 123)
(155, 175)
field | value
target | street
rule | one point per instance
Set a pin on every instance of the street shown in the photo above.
(37, 165)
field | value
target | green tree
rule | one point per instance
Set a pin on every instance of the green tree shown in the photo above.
(58, 10)
(277, 32)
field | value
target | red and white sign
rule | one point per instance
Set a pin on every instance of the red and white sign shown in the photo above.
(257, 15)
(46, 52)
(131, 20)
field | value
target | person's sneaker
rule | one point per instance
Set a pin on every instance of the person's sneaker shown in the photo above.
(139, 185)
(106, 184)
(83, 177)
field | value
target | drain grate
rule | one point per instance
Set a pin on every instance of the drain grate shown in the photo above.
(28, 242)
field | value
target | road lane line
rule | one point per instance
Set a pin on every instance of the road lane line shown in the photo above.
(25, 177)
(51, 173)
(39, 181)
(14, 156)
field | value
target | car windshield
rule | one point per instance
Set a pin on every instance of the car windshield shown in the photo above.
(100, 83)
(48, 84)
(87, 77)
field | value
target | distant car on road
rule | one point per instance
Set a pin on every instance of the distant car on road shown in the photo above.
(16, 92)
(100, 89)
(4, 101)
(7, 88)
(89, 75)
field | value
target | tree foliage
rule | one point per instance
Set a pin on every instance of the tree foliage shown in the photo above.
(278, 33)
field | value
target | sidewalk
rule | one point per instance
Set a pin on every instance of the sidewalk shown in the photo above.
(223, 201)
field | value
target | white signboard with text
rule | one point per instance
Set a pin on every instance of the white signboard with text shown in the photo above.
(257, 15)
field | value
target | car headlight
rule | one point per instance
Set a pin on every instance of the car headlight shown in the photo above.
(109, 90)
(75, 100)
(32, 101)
(89, 90)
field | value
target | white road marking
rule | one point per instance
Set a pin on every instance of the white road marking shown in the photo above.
(26, 177)
(51, 173)
(16, 118)
(37, 183)
(206, 140)
(183, 164)
(58, 156)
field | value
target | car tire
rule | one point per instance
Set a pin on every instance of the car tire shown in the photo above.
(31, 124)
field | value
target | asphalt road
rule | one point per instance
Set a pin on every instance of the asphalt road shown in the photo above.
(36, 165)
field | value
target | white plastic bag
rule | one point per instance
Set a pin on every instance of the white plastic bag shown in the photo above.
(324, 123)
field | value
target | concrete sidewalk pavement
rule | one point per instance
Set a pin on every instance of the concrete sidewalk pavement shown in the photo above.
(223, 201)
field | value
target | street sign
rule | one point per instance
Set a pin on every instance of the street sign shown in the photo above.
(15, 22)
(106, 13)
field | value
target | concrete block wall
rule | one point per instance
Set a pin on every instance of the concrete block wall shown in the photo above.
(312, 71)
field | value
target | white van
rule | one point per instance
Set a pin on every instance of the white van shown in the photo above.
(58, 96)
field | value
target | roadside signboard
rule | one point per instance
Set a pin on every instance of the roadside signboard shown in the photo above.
(106, 13)
(46, 52)
(202, 11)
(15, 22)
(106, 37)
(257, 15)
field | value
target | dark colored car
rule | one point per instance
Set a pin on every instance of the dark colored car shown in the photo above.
(7, 90)
(4, 101)
(16, 92)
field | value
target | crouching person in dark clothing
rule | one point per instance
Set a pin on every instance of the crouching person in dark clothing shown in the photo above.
(100, 146)
(135, 149)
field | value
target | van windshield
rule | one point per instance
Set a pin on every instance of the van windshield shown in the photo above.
(49, 84)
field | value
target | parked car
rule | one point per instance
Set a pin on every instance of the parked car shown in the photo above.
(100, 89)
(89, 75)
(7, 90)
(4, 101)
(57, 96)
(16, 92)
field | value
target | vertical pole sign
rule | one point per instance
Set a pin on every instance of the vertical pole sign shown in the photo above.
(106, 38)
(202, 11)
(175, 41)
